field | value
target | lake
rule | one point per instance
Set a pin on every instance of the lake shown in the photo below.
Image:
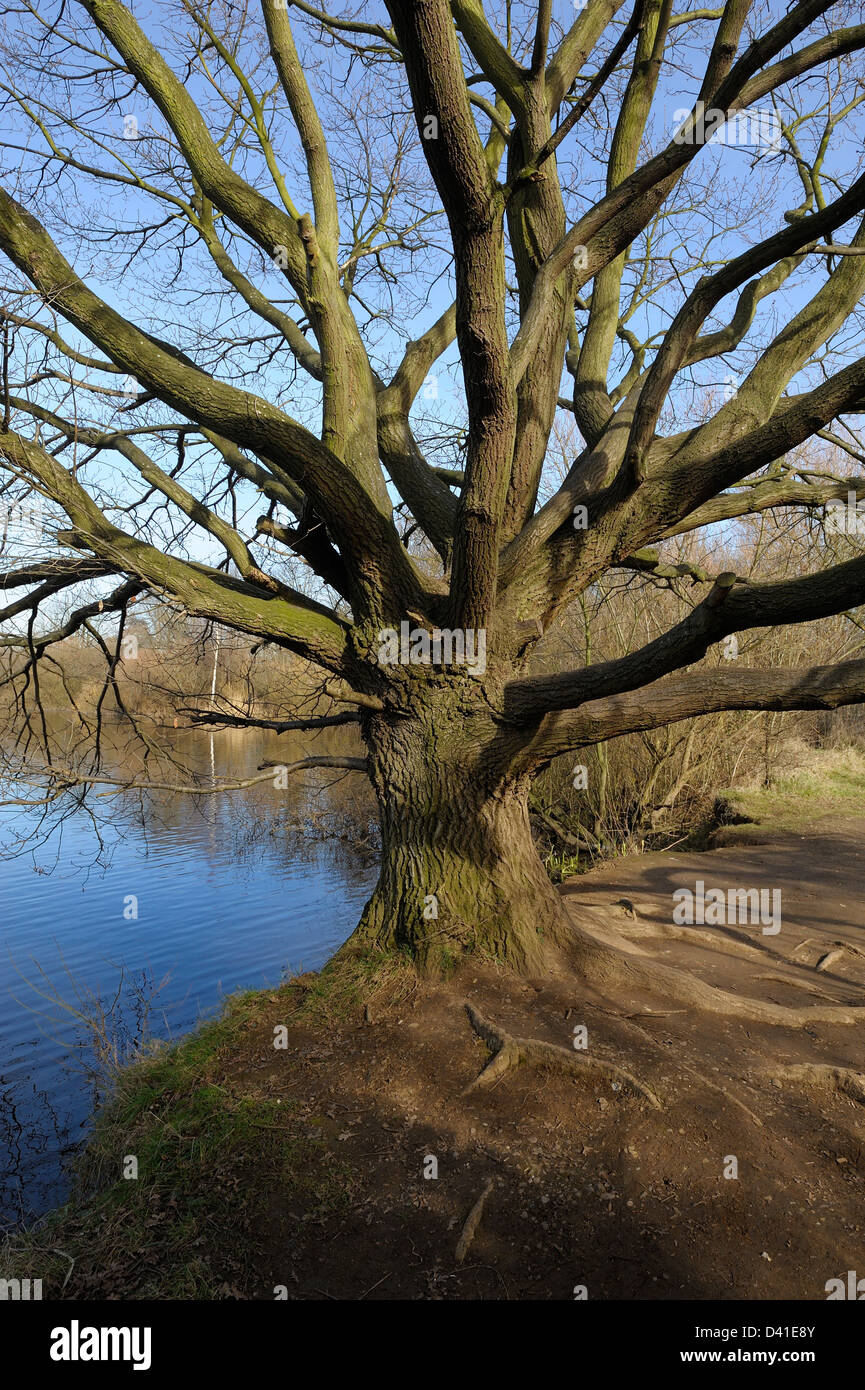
(152, 908)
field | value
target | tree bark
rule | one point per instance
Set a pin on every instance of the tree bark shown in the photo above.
(459, 870)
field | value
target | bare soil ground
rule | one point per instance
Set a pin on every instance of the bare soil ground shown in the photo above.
(303, 1168)
(587, 1182)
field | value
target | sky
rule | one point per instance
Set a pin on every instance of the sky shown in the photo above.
(734, 195)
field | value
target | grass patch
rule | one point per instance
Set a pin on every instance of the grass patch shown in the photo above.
(351, 982)
(827, 783)
(562, 866)
(213, 1151)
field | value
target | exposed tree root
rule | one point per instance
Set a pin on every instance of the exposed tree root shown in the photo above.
(509, 1051)
(799, 984)
(840, 949)
(610, 968)
(722, 1091)
(831, 957)
(647, 1040)
(728, 942)
(473, 1220)
(840, 1079)
(726, 945)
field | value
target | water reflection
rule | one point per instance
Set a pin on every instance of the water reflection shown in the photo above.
(149, 910)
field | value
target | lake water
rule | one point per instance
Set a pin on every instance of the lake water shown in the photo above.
(229, 895)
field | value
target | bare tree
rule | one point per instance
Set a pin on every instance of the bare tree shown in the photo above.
(295, 234)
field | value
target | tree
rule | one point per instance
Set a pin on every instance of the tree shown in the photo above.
(269, 205)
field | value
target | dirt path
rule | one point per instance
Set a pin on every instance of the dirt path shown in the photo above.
(718, 1170)
(591, 1185)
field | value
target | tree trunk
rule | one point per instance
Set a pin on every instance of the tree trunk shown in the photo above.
(459, 869)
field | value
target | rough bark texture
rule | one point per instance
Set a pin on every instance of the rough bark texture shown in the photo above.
(459, 870)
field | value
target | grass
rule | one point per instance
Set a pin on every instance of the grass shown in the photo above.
(213, 1148)
(349, 982)
(564, 866)
(819, 783)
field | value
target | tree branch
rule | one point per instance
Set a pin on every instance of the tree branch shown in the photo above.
(694, 694)
(724, 610)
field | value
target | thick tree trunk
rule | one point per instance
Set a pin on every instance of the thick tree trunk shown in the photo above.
(459, 870)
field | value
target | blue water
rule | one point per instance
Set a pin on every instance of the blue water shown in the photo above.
(227, 898)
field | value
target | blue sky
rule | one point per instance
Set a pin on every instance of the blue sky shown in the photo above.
(732, 197)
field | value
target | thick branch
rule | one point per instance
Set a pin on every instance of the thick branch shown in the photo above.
(697, 693)
(368, 539)
(726, 609)
(302, 624)
(458, 164)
